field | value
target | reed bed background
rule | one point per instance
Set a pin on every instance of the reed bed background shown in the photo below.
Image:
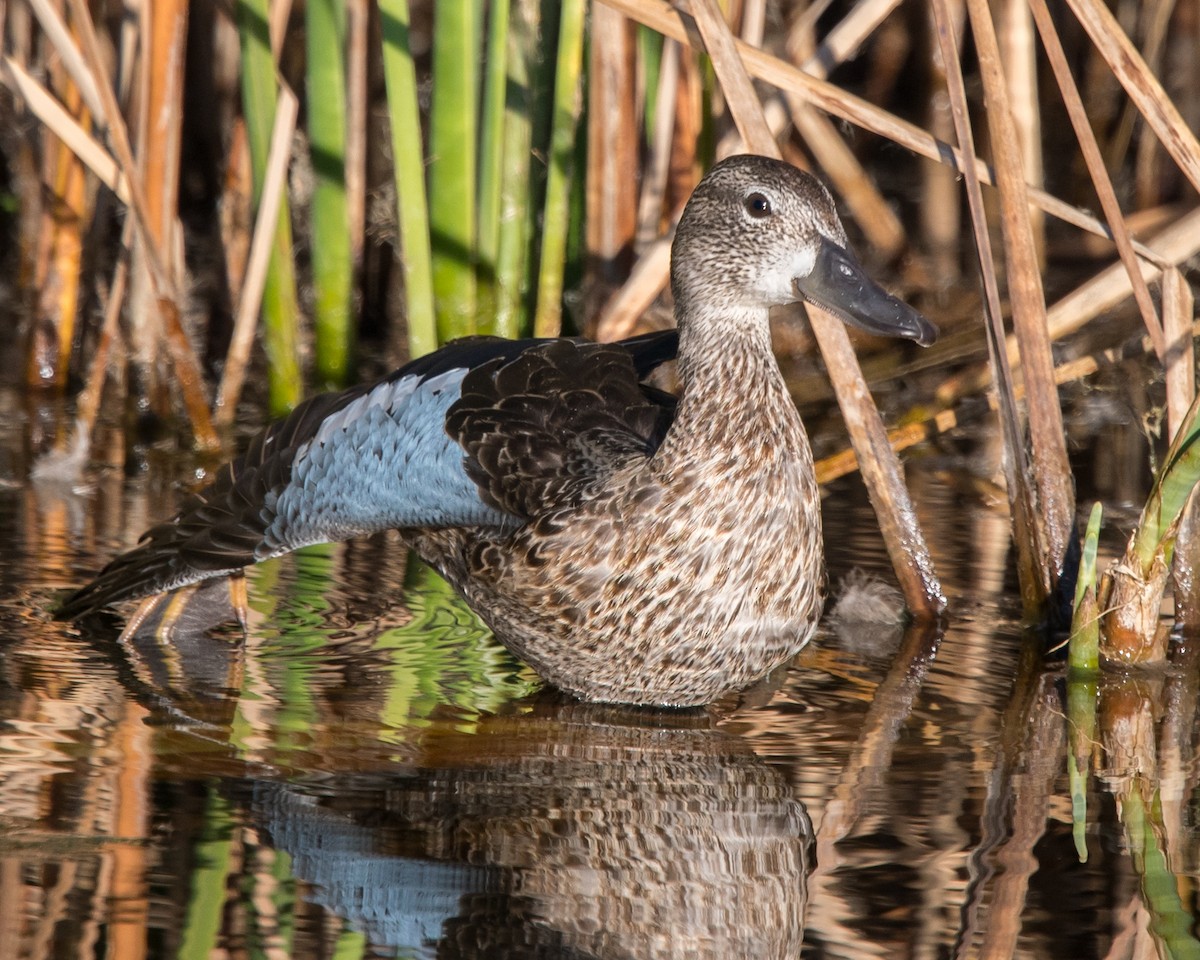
(198, 191)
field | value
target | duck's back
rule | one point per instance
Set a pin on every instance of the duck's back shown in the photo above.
(425, 447)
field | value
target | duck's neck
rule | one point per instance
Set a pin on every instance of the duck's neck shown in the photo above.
(734, 400)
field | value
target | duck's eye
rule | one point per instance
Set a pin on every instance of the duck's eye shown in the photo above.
(758, 206)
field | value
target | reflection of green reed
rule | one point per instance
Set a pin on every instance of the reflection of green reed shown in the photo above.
(351, 945)
(1083, 665)
(1170, 920)
(206, 905)
(269, 895)
(444, 655)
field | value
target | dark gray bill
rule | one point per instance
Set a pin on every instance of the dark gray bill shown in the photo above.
(839, 284)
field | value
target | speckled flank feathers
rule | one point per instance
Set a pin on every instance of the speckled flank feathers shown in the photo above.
(629, 546)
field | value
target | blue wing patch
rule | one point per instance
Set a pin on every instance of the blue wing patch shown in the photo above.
(383, 461)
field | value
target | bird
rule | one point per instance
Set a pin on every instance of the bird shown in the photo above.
(631, 545)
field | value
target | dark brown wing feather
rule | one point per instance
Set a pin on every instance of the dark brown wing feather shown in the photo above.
(217, 529)
(549, 429)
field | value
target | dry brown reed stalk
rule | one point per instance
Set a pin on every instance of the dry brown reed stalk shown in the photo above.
(624, 309)
(1142, 86)
(1028, 534)
(87, 405)
(57, 275)
(357, 36)
(158, 227)
(1185, 572)
(612, 161)
(1174, 245)
(1179, 307)
(236, 213)
(881, 468)
(1018, 54)
(875, 217)
(658, 162)
(1051, 467)
(940, 214)
(157, 186)
(845, 37)
(670, 22)
(914, 432)
(287, 107)
(1096, 169)
(281, 12)
(45, 106)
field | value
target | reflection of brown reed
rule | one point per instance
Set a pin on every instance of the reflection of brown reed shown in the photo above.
(612, 833)
(72, 745)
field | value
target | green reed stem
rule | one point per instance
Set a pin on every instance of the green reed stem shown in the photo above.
(1083, 651)
(1083, 671)
(408, 164)
(568, 102)
(332, 261)
(279, 306)
(650, 54)
(1159, 522)
(492, 134)
(516, 187)
(452, 164)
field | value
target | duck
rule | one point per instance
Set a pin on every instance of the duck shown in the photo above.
(631, 545)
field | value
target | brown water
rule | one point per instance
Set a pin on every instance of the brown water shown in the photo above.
(367, 774)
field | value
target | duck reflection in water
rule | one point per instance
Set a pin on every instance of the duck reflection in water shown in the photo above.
(566, 831)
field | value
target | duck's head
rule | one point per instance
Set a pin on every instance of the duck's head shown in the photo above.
(758, 233)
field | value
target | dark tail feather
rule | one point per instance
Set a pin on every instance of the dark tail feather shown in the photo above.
(161, 562)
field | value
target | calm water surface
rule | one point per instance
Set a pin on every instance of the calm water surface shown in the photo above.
(366, 774)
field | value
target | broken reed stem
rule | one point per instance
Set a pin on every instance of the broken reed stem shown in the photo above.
(1052, 470)
(1094, 161)
(1028, 533)
(882, 472)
